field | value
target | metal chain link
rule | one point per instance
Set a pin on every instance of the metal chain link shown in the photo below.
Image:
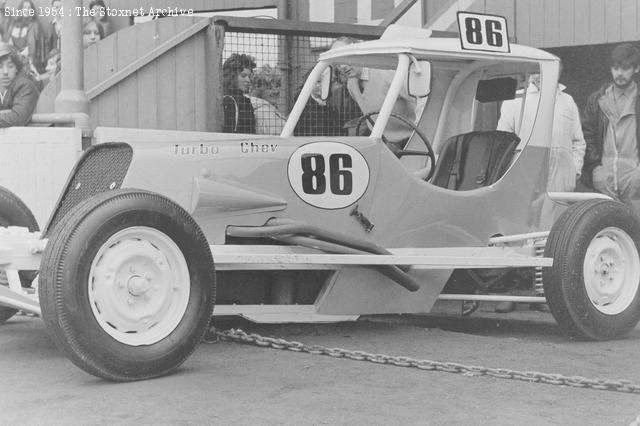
(240, 336)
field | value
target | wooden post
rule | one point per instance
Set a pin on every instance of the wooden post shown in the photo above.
(72, 97)
(214, 46)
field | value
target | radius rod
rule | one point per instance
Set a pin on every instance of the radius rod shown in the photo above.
(303, 234)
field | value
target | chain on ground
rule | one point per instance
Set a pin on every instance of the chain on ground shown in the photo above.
(237, 335)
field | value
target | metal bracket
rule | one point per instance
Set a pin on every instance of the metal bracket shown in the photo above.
(364, 221)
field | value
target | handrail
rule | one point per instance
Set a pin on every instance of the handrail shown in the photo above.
(305, 28)
(147, 58)
(78, 119)
(297, 28)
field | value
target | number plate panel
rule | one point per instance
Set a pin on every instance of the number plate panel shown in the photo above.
(328, 175)
(483, 32)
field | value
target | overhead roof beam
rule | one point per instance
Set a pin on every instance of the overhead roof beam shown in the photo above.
(397, 12)
(447, 15)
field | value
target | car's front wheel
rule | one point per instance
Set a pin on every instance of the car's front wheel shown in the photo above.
(593, 286)
(127, 285)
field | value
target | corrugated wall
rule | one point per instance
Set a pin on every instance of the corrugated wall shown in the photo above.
(556, 23)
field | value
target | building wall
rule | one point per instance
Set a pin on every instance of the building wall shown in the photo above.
(558, 23)
(555, 23)
(339, 11)
(540, 23)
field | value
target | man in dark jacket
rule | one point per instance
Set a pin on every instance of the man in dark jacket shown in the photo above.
(18, 93)
(611, 131)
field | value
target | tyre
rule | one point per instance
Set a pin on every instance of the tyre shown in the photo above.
(593, 286)
(127, 285)
(13, 212)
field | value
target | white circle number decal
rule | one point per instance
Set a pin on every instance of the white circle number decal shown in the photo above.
(328, 175)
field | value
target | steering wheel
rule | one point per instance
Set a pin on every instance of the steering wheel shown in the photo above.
(402, 152)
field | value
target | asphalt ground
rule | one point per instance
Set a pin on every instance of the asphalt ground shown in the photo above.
(228, 383)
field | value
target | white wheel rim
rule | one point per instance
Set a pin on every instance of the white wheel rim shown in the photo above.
(139, 286)
(611, 271)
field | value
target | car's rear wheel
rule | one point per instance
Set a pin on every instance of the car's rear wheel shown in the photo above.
(593, 286)
(127, 285)
(13, 212)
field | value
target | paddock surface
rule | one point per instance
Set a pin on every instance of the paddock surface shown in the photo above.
(228, 383)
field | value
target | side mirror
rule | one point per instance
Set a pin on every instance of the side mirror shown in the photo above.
(419, 79)
(325, 83)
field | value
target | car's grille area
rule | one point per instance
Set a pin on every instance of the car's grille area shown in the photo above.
(101, 168)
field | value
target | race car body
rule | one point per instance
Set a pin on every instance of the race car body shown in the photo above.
(345, 225)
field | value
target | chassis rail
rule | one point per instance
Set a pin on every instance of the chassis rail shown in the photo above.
(21, 250)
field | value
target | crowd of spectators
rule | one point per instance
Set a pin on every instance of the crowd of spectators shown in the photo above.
(31, 54)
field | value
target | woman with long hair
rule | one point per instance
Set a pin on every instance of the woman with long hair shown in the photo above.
(92, 33)
(238, 112)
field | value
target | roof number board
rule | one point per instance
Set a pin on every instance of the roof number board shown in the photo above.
(483, 32)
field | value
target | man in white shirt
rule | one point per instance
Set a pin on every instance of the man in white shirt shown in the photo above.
(567, 147)
(567, 140)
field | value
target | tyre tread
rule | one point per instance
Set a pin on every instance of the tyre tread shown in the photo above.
(52, 300)
(572, 312)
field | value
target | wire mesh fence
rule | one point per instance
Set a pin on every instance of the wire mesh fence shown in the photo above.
(279, 65)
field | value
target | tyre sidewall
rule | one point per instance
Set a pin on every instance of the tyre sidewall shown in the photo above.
(573, 299)
(82, 329)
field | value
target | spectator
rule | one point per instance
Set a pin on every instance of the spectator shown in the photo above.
(26, 34)
(265, 95)
(318, 118)
(91, 33)
(369, 87)
(612, 131)
(18, 93)
(340, 99)
(566, 154)
(238, 112)
(567, 141)
(55, 27)
(101, 16)
(5, 20)
(53, 66)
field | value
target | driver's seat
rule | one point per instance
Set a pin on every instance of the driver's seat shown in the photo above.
(472, 160)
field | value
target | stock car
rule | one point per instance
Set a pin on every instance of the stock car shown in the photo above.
(149, 231)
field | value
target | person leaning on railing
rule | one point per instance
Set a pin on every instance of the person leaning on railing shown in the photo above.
(18, 92)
